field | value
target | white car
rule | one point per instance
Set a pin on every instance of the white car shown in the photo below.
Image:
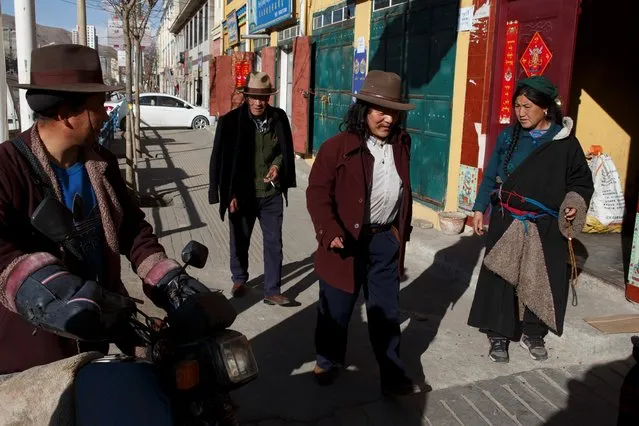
(162, 110)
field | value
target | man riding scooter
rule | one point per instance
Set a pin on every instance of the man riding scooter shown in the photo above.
(57, 296)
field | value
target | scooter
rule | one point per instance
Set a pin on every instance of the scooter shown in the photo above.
(183, 375)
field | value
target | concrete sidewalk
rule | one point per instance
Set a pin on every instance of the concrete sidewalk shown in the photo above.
(438, 347)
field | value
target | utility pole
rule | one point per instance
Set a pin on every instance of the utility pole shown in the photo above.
(82, 22)
(25, 40)
(4, 131)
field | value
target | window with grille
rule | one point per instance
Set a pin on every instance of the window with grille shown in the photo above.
(260, 43)
(288, 33)
(206, 21)
(192, 23)
(318, 22)
(334, 16)
(382, 4)
(200, 21)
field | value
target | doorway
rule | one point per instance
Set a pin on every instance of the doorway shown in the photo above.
(285, 74)
(592, 68)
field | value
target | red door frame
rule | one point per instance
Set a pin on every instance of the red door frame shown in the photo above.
(565, 14)
(300, 100)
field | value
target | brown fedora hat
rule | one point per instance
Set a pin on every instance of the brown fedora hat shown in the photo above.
(259, 84)
(384, 89)
(67, 68)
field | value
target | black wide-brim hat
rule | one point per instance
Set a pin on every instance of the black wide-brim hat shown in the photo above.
(68, 68)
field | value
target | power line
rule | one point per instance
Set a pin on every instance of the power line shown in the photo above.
(88, 6)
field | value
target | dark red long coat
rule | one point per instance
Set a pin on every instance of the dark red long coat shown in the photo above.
(340, 179)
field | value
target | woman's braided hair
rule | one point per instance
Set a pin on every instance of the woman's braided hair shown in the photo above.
(540, 99)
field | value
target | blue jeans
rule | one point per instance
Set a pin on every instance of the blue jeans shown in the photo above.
(270, 212)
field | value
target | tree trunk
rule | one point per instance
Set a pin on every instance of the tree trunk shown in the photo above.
(129, 176)
(138, 84)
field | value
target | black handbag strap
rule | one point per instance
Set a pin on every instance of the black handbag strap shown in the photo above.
(39, 175)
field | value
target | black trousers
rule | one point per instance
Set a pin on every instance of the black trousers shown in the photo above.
(376, 272)
(531, 326)
(270, 212)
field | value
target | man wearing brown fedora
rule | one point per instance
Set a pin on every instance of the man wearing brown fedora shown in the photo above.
(359, 199)
(70, 286)
(252, 167)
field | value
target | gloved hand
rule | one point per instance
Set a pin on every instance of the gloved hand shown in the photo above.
(65, 304)
(174, 288)
(193, 310)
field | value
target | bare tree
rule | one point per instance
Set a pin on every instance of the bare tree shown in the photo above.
(135, 15)
(138, 28)
(125, 10)
(149, 73)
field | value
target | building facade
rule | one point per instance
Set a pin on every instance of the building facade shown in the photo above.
(184, 49)
(459, 61)
(217, 28)
(106, 68)
(167, 49)
(114, 68)
(92, 38)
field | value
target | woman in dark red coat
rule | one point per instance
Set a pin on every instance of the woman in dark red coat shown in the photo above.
(359, 199)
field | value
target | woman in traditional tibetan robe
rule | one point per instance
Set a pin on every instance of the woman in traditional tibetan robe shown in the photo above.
(537, 188)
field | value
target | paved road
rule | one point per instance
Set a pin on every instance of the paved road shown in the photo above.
(438, 347)
(576, 395)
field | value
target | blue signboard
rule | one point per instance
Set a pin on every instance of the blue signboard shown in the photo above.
(231, 24)
(267, 13)
(359, 70)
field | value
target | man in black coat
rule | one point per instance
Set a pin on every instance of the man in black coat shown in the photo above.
(252, 167)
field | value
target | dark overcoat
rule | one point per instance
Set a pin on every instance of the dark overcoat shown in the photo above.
(234, 135)
(551, 173)
(338, 187)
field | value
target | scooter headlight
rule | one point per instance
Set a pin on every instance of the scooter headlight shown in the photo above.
(236, 363)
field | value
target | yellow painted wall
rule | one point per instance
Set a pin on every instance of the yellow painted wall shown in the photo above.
(235, 4)
(318, 5)
(241, 29)
(362, 26)
(596, 127)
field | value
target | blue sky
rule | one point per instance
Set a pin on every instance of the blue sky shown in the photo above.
(62, 14)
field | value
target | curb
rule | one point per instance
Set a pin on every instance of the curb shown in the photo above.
(577, 333)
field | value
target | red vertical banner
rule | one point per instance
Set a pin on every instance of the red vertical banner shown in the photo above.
(508, 77)
(242, 69)
(300, 111)
(246, 69)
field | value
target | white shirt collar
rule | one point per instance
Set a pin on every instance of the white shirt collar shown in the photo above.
(376, 141)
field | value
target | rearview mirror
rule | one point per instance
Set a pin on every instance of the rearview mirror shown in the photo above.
(53, 219)
(195, 255)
